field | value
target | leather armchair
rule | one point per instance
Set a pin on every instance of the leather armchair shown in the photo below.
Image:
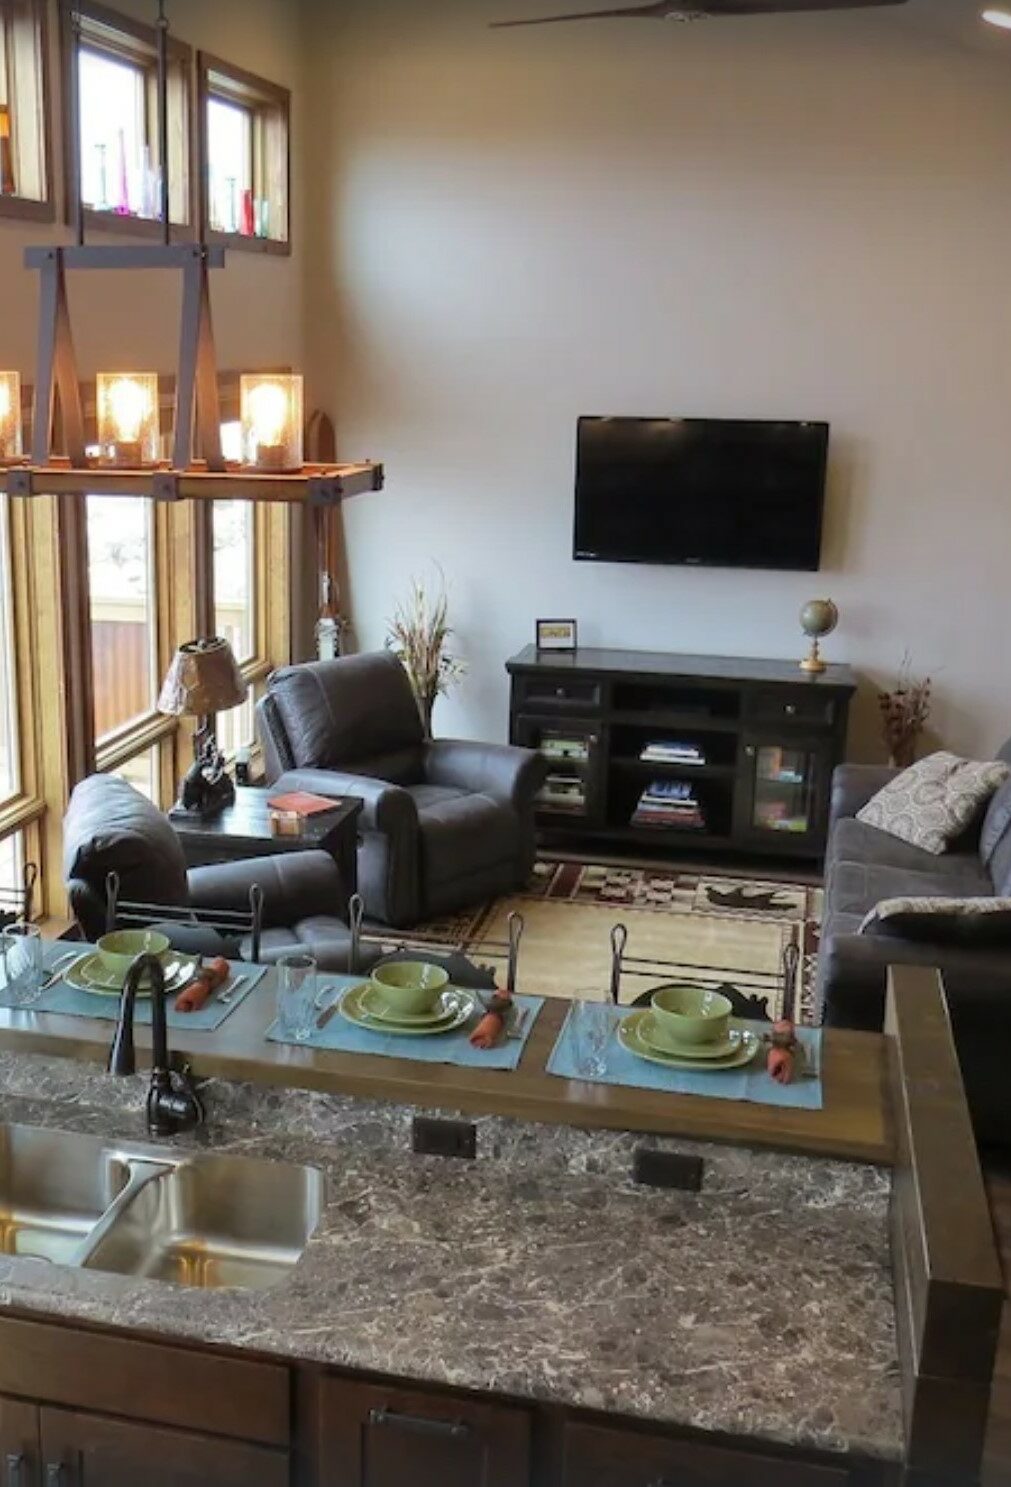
(446, 823)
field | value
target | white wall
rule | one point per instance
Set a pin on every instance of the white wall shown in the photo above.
(800, 218)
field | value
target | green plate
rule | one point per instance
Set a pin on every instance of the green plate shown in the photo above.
(689, 1051)
(629, 1037)
(373, 1005)
(464, 1004)
(91, 974)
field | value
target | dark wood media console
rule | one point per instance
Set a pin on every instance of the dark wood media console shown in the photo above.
(682, 752)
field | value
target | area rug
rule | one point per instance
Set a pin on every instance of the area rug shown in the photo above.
(708, 928)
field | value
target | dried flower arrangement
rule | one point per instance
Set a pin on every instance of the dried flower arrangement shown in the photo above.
(904, 713)
(418, 634)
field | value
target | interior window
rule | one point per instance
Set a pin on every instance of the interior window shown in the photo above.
(121, 582)
(230, 167)
(23, 168)
(10, 769)
(116, 168)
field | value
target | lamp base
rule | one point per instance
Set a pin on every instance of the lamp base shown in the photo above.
(206, 789)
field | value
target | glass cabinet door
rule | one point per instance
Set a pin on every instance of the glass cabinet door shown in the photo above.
(784, 795)
(570, 751)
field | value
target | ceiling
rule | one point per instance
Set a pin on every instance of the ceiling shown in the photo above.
(958, 22)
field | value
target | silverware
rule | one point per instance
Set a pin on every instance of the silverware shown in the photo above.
(234, 987)
(516, 1023)
(63, 965)
(325, 1016)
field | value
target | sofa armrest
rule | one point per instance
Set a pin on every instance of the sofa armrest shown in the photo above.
(853, 785)
(386, 808)
(295, 885)
(853, 972)
(507, 774)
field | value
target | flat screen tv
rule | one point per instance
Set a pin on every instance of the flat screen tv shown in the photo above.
(720, 493)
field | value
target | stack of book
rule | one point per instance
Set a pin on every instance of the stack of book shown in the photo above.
(671, 804)
(672, 751)
(562, 746)
(563, 793)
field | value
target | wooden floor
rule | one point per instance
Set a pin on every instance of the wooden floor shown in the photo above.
(997, 1472)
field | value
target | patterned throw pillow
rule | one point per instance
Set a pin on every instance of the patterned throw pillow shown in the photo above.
(943, 921)
(934, 801)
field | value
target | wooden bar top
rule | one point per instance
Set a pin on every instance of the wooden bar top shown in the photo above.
(853, 1125)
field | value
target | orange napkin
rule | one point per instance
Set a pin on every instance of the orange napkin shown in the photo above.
(489, 1029)
(204, 984)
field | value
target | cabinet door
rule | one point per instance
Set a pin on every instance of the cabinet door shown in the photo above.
(598, 1456)
(88, 1451)
(376, 1437)
(19, 1444)
(572, 789)
(784, 798)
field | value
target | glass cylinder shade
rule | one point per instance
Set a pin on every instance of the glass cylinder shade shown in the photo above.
(272, 422)
(128, 431)
(10, 416)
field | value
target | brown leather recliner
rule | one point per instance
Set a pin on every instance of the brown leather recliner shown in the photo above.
(446, 823)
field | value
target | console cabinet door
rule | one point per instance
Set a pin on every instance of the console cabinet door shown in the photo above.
(372, 1436)
(81, 1450)
(599, 1456)
(19, 1444)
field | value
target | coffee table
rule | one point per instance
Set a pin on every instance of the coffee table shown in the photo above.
(243, 830)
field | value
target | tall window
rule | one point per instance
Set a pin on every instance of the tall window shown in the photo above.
(121, 581)
(10, 759)
(235, 606)
(244, 165)
(120, 170)
(24, 168)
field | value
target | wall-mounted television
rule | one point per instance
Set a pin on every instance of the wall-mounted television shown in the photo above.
(720, 493)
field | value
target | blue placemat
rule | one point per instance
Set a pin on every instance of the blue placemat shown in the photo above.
(446, 1048)
(67, 1001)
(750, 1083)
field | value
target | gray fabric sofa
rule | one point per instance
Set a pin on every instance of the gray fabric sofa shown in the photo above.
(446, 823)
(863, 866)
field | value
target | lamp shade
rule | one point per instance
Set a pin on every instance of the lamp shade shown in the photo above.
(204, 678)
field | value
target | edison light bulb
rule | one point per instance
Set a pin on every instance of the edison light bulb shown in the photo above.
(128, 417)
(10, 415)
(268, 413)
(272, 421)
(127, 408)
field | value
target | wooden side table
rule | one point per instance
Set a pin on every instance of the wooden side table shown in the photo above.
(243, 830)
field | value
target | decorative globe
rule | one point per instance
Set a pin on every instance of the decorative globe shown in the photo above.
(819, 617)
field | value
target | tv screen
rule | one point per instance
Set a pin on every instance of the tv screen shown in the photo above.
(716, 492)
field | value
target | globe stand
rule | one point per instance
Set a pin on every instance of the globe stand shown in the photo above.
(812, 662)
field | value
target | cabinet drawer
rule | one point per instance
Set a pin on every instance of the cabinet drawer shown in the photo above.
(770, 705)
(145, 1381)
(558, 693)
(598, 1456)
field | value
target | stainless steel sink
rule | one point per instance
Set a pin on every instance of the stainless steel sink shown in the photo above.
(215, 1221)
(203, 1220)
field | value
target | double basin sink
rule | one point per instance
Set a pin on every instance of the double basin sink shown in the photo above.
(124, 1207)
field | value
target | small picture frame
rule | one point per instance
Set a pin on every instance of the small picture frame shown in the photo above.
(556, 635)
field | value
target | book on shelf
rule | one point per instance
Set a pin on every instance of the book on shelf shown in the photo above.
(669, 803)
(574, 749)
(563, 793)
(671, 751)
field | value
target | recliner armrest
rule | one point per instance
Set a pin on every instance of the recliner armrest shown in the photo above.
(501, 771)
(853, 971)
(853, 785)
(387, 808)
(295, 885)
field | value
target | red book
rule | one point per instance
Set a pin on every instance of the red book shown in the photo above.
(301, 803)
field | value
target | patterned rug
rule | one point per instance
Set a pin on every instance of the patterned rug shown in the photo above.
(703, 927)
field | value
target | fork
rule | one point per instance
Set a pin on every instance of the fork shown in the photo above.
(229, 996)
(57, 970)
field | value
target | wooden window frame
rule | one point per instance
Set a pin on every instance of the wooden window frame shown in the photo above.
(270, 105)
(27, 208)
(133, 42)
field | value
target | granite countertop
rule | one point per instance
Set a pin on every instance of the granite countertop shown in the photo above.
(761, 1306)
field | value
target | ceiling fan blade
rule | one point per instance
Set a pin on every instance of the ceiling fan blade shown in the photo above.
(656, 11)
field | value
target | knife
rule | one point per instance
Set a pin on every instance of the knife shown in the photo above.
(325, 1016)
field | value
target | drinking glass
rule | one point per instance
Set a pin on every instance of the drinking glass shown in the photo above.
(21, 953)
(296, 996)
(593, 1021)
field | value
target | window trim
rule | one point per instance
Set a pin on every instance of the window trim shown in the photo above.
(144, 50)
(25, 208)
(263, 96)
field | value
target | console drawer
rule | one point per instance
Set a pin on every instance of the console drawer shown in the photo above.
(600, 1456)
(558, 693)
(772, 705)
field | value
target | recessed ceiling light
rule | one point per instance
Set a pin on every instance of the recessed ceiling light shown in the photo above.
(1000, 18)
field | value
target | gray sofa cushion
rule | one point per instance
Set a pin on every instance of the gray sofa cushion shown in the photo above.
(462, 834)
(857, 886)
(934, 801)
(943, 921)
(337, 712)
(853, 841)
(111, 827)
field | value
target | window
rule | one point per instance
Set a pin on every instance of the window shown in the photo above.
(119, 175)
(10, 761)
(121, 586)
(142, 772)
(244, 166)
(24, 162)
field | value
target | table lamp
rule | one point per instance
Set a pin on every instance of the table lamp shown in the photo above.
(203, 679)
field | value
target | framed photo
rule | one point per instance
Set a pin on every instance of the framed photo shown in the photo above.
(556, 635)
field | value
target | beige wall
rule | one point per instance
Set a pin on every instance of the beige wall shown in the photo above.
(132, 319)
(801, 218)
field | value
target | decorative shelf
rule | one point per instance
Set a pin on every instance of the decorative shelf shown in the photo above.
(314, 485)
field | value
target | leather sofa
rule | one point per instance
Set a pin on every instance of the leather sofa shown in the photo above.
(863, 866)
(446, 824)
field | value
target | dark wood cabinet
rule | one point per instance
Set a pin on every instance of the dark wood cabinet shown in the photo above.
(374, 1436)
(80, 1450)
(749, 744)
(597, 1456)
(19, 1444)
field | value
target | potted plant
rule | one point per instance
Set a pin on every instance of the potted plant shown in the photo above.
(418, 634)
(904, 713)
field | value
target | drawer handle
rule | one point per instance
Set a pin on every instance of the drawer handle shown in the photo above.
(559, 691)
(56, 1474)
(16, 1469)
(456, 1430)
(790, 709)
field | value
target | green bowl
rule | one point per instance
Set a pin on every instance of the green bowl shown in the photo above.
(120, 949)
(410, 985)
(689, 1015)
